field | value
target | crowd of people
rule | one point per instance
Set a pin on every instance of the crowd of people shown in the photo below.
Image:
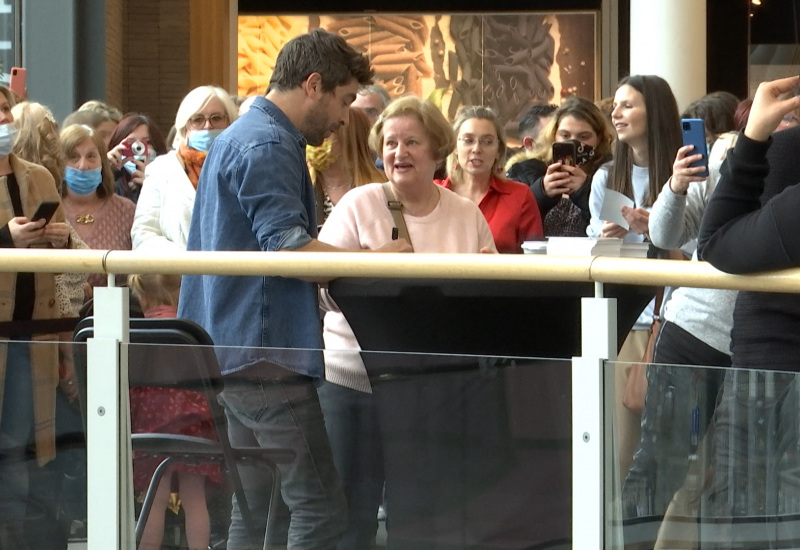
(325, 161)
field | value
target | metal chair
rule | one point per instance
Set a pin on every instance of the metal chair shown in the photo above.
(184, 358)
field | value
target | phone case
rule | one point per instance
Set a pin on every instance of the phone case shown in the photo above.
(566, 152)
(16, 82)
(694, 133)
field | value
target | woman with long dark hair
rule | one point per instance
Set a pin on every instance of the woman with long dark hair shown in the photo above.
(135, 142)
(647, 123)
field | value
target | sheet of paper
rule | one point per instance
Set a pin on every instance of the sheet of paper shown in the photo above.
(611, 211)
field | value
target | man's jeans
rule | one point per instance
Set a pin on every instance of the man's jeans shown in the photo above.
(285, 414)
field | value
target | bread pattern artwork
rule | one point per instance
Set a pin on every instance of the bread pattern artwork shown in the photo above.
(507, 62)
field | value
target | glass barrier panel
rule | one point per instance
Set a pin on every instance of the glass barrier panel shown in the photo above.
(42, 448)
(712, 461)
(445, 452)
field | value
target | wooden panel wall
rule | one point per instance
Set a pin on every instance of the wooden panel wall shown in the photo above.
(114, 58)
(212, 43)
(156, 58)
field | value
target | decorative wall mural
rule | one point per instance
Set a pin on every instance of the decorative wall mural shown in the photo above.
(507, 62)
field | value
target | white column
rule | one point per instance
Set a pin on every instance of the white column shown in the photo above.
(598, 344)
(108, 440)
(668, 38)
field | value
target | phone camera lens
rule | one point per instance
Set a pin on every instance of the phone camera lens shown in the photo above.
(686, 126)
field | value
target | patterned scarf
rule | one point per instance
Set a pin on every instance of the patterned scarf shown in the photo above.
(192, 162)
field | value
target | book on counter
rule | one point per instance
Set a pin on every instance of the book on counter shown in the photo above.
(634, 250)
(583, 246)
(586, 246)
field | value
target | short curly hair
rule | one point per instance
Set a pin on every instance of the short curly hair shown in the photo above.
(439, 131)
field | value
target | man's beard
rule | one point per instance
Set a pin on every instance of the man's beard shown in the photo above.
(315, 127)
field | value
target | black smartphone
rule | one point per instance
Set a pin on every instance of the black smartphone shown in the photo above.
(694, 133)
(566, 152)
(45, 211)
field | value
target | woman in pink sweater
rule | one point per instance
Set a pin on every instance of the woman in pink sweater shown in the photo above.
(413, 137)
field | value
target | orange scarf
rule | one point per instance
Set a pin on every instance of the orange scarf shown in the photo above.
(192, 162)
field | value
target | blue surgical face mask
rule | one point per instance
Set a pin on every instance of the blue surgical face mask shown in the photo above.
(83, 182)
(130, 166)
(8, 135)
(201, 140)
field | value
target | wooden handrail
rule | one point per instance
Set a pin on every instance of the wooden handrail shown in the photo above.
(408, 266)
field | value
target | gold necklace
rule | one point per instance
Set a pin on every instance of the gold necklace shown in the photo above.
(84, 219)
(434, 191)
(345, 184)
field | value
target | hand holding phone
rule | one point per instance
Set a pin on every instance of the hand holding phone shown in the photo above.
(565, 152)
(45, 211)
(694, 133)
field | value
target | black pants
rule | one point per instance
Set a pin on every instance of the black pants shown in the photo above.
(679, 403)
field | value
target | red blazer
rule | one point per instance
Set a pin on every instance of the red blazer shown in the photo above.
(512, 213)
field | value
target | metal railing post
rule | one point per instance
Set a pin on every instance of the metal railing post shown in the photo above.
(598, 344)
(110, 491)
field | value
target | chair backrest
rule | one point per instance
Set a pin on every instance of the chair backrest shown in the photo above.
(181, 355)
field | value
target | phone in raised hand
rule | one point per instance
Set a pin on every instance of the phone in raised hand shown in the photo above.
(694, 133)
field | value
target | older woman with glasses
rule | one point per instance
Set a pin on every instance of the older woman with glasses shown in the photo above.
(164, 210)
(475, 171)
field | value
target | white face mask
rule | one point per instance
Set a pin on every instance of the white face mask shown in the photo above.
(8, 135)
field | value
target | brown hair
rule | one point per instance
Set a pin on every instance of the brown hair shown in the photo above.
(319, 51)
(74, 135)
(586, 111)
(129, 123)
(663, 128)
(10, 96)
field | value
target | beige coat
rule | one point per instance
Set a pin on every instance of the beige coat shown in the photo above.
(35, 185)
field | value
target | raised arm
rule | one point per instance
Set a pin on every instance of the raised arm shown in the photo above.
(738, 234)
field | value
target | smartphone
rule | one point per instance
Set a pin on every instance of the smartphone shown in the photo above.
(16, 82)
(45, 211)
(694, 133)
(566, 152)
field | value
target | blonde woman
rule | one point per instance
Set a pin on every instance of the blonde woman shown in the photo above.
(474, 171)
(413, 137)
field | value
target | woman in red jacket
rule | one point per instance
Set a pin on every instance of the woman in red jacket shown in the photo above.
(475, 171)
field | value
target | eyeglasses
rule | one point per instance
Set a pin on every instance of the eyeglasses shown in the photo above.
(197, 122)
(485, 141)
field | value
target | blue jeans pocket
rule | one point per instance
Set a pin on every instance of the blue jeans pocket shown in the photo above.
(250, 403)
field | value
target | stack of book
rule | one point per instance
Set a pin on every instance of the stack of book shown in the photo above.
(534, 247)
(583, 246)
(634, 250)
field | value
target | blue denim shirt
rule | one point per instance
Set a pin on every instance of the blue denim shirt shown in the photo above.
(255, 193)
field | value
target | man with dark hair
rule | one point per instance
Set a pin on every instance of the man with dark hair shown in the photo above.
(532, 123)
(255, 194)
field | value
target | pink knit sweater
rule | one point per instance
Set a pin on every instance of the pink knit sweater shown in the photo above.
(110, 230)
(361, 220)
